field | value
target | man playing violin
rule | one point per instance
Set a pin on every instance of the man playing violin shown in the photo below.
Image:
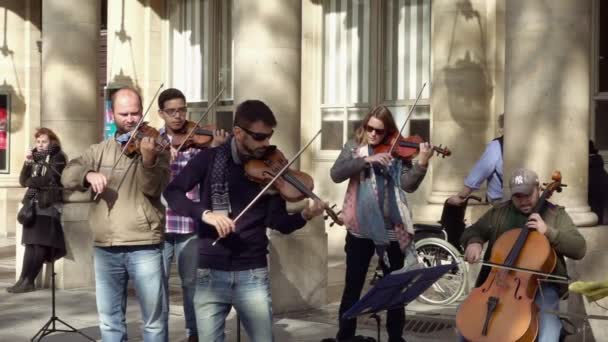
(127, 219)
(376, 212)
(552, 221)
(234, 271)
(180, 237)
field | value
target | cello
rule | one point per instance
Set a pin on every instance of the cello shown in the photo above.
(502, 308)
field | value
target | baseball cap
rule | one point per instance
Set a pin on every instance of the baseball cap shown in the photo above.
(523, 181)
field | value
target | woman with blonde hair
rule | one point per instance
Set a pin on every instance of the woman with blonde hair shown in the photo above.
(42, 231)
(375, 212)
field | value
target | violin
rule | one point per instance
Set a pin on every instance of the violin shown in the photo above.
(407, 148)
(502, 308)
(293, 185)
(144, 130)
(201, 137)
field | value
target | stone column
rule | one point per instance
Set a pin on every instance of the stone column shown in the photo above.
(69, 107)
(547, 95)
(267, 47)
(462, 110)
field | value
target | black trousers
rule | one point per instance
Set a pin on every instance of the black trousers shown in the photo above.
(359, 252)
(33, 259)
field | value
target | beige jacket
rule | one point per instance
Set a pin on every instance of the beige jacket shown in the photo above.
(129, 211)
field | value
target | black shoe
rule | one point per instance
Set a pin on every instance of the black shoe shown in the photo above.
(329, 339)
(17, 284)
(25, 286)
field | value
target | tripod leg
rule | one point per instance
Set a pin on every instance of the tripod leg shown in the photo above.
(42, 330)
(75, 330)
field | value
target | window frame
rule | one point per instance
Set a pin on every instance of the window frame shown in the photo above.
(377, 91)
(212, 85)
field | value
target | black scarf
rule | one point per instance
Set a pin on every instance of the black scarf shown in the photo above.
(220, 199)
(41, 166)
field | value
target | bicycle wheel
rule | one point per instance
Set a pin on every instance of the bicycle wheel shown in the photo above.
(435, 252)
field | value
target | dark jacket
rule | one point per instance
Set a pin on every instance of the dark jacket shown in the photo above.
(46, 230)
(246, 248)
(598, 188)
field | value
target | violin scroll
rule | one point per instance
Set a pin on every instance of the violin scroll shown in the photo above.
(556, 185)
(335, 217)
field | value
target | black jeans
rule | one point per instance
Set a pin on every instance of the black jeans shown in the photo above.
(359, 252)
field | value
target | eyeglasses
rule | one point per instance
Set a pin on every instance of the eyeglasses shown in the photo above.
(258, 136)
(175, 111)
(378, 131)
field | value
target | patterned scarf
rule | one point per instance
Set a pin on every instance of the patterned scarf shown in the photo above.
(220, 199)
(40, 165)
(363, 210)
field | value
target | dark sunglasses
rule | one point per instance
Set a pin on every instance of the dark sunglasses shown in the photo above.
(370, 129)
(258, 136)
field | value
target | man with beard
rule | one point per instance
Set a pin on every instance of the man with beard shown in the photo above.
(234, 271)
(180, 238)
(127, 219)
(551, 221)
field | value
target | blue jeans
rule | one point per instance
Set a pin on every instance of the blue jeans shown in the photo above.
(184, 247)
(114, 266)
(248, 291)
(549, 324)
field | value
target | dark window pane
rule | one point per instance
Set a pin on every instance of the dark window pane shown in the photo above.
(224, 120)
(603, 47)
(421, 128)
(601, 125)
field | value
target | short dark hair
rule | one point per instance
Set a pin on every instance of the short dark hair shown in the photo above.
(129, 89)
(250, 111)
(168, 95)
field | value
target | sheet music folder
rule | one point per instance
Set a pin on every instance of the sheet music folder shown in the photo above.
(397, 289)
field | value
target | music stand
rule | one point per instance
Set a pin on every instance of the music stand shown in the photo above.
(396, 290)
(49, 327)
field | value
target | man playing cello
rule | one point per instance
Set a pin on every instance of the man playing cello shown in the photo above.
(552, 221)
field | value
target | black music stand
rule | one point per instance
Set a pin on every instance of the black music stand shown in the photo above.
(396, 290)
(49, 327)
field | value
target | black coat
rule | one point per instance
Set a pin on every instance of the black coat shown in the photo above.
(598, 188)
(46, 230)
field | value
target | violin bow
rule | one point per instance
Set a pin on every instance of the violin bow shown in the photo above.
(122, 152)
(279, 174)
(211, 105)
(408, 118)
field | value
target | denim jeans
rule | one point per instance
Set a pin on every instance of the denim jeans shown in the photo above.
(114, 266)
(549, 324)
(247, 291)
(184, 247)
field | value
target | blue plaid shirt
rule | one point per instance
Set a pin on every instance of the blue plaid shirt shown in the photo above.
(177, 224)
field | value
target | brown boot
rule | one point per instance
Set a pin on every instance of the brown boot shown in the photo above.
(17, 284)
(25, 286)
(193, 338)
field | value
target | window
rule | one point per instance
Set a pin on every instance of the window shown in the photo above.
(200, 40)
(4, 132)
(374, 53)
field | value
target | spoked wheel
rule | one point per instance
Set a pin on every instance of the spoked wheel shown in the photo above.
(436, 252)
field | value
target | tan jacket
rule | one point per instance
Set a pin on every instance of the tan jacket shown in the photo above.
(131, 215)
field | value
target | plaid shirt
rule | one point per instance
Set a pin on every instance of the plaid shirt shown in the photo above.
(175, 223)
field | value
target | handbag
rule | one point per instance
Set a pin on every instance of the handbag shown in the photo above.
(27, 213)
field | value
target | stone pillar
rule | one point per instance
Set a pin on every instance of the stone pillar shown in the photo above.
(462, 109)
(69, 107)
(267, 46)
(547, 95)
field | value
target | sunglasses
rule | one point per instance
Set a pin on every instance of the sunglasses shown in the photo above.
(378, 131)
(258, 136)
